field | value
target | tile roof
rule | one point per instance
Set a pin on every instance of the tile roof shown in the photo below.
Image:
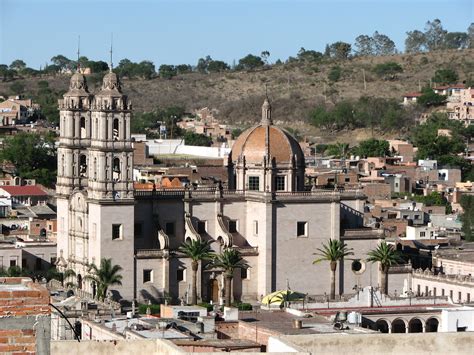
(24, 190)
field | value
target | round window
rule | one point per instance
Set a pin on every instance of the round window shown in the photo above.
(358, 266)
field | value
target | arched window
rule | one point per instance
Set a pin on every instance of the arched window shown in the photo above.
(82, 166)
(116, 169)
(115, 130)
(82, 122)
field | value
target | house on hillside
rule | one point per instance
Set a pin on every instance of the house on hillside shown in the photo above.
(23, 195)
(411, 97)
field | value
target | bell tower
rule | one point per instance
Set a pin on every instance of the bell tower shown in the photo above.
(95, 183)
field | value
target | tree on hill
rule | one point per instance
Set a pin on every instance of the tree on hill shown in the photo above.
(217, 66)
(61, 61)
(445, 76)
(456, 40)
(373, 148)
(250, 62)
(340, 50)
(18, 65)
(364, 45)
(470, 35)
(435, 35)
(388, 69)
(415, 42)
(383, 45)
(17, 88)
(167, 71)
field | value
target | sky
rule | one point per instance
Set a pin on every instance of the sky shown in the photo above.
(182, 31)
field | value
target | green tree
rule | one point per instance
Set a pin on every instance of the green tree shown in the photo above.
(470, 35)
(340, 50)
(435, 35)
(203, 64)
(17, 88)
(217, 66)
(383, 45)
(228, 261)
(18, 65)
(105, 276)
(6, 73)
(184, 68)
(197, 250)
(335, 73)
(456, 40)
(386, 256)
(430, 98)
(192, 138)
(61, 61)
(445, 76)
(373, 148)
(388, 69)
(145, 69)
(364, 45)
(167, 71)
(33, 155)
(467, 217)
(250, 62)
(333, 251)
(264, 55)
(415, 42)
(338, 150)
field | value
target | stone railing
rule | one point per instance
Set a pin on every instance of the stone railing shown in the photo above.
(466, 280)
(150, 253)
(215, 192)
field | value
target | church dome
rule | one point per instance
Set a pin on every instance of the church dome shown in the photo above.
(78, 85)
(256, 142)
(110, 84)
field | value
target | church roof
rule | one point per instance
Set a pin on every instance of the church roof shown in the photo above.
(78, 86)
(266, 139)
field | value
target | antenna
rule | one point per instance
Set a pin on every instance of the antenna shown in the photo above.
(111, 51)
(78, 52)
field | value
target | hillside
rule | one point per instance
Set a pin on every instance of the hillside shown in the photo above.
(295, 89)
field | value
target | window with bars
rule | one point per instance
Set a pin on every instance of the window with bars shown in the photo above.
(254, 183)
(280, 183)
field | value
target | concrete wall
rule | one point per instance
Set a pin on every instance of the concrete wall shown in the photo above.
(176, 146)
(116, 347)
(427, 343)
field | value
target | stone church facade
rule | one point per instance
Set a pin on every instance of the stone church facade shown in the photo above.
(265, 211)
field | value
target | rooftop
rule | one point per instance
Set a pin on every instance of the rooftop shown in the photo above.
(24, 190)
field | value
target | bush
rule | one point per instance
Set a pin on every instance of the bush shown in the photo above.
(154, 308)
(335, 73)
(243, 306)
(206, 305)
(445, 76)
(389, 69)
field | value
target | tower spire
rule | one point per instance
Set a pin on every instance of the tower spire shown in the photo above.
(78, 52)
(111, 65)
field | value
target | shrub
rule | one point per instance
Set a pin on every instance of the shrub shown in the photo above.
(154, 308)
(389, 69)
(335, 73)
(243, 306)
(206, 305)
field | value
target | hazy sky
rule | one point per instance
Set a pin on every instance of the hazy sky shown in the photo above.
(181, 31)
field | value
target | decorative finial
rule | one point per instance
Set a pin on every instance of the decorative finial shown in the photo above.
(266, 110)
(111, 51)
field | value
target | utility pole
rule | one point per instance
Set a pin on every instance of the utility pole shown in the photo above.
(365, 83)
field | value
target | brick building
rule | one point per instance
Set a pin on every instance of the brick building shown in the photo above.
(24, 317)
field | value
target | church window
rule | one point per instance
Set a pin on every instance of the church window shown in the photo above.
(169, 228)
(244, 274)
(116, 169)
(255, 228)
(12, 262)
(301, 229)
(115, 130)
(280, 183)
(254, 183)
(201, 227)
(83, 127)
(180, 275)
(82, 166)
(233, 226)
(116, 231)
(147, 275)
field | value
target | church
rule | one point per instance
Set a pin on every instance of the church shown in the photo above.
(265, 211)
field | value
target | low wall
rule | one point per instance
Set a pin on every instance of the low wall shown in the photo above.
(116, 347)
(176, 146)
(420, 343)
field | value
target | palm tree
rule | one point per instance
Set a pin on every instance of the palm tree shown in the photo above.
(333, 251)
(386, 255)
(105, 276)
(228, 261)
(196, 250)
